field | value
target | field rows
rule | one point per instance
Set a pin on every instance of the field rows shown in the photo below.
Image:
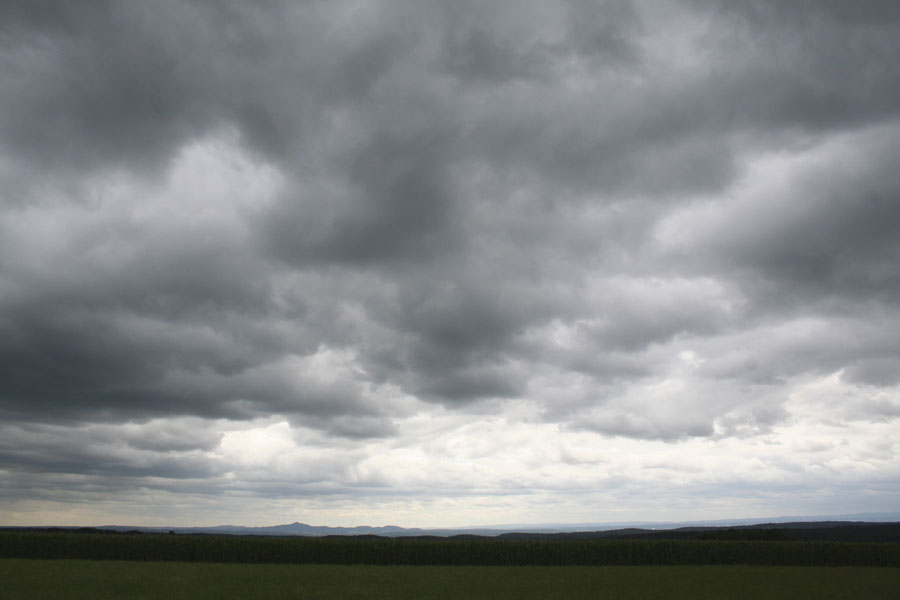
(402, 551)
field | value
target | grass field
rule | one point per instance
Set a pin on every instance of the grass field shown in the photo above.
(22, 579)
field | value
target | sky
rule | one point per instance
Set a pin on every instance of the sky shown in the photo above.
(448, 263)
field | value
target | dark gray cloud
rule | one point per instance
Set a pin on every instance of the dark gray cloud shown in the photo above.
(164, 452)
(652, 221)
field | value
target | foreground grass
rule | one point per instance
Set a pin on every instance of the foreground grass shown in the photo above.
(100, 580)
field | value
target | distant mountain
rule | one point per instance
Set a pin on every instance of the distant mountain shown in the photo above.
(303, 529)
(835, 531)
(859, 526)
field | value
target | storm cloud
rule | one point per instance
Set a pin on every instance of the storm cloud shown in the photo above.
(448, 263)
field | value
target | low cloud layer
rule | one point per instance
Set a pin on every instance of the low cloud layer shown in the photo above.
(434, 264)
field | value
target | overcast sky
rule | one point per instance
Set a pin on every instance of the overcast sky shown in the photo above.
(441, 264)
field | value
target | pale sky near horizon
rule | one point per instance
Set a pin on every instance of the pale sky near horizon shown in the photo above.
(448, 263)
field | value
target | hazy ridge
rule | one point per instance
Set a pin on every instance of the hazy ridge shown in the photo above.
(862, 527)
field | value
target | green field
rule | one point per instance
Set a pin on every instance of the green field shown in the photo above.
(22, 579)
(443, 552)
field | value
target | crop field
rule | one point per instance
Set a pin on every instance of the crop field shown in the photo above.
(101, 580)
(403, 551)
(37, 565)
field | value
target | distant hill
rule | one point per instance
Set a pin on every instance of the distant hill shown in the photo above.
(820, 531)
(302, 529)
(848, 531)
